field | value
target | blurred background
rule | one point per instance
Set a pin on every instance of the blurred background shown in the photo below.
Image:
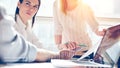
(107, 12)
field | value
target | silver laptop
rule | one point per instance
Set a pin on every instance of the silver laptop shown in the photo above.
(107, 61)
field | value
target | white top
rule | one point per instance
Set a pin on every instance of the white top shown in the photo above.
(14, 48)
(26, 32)
(73, 25)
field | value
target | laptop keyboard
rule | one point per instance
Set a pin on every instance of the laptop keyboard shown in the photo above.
(84, 62)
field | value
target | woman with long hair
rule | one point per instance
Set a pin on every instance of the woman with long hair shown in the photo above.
(25, 17)
(71, 19)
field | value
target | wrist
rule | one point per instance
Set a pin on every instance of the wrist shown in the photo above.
(56, 56)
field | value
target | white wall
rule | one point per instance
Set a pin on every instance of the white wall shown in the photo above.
(116, 6)
(100, 7)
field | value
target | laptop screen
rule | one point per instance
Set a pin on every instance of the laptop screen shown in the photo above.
(110, 39)
(114, 52)
(111, 36)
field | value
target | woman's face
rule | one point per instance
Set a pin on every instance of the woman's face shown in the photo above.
(28, 8)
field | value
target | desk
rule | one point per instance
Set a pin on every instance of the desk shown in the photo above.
(32, 65)
(28, 65)
(36, 65)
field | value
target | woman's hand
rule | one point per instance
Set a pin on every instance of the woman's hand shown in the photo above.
(101, 33)
(98, 58)
(69, 46)
(66, 54)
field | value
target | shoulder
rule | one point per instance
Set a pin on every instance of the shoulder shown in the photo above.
(86, 7)
(7, 20)
(55, 3)
(54, 7)
(89, 8)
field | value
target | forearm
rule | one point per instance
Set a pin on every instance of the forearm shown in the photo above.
(58, 39)
(44, 55)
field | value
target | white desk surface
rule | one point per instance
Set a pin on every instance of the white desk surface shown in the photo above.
(28, 65)
(36, 65)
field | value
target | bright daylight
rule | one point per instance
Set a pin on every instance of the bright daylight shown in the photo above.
(60, 34)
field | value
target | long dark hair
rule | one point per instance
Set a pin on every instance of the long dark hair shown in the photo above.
(17, 12)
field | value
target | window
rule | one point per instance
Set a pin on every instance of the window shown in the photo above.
(100, 7)
(46, 8)
(105, 8)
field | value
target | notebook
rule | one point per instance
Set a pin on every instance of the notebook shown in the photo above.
(112, 33)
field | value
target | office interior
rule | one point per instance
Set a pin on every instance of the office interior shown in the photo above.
(106, 11)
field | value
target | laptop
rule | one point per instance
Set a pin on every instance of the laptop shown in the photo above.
(107, 61)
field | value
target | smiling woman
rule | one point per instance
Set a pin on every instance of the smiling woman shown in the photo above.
(25, 14)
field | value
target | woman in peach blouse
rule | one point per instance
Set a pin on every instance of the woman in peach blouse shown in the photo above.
(71, 19)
